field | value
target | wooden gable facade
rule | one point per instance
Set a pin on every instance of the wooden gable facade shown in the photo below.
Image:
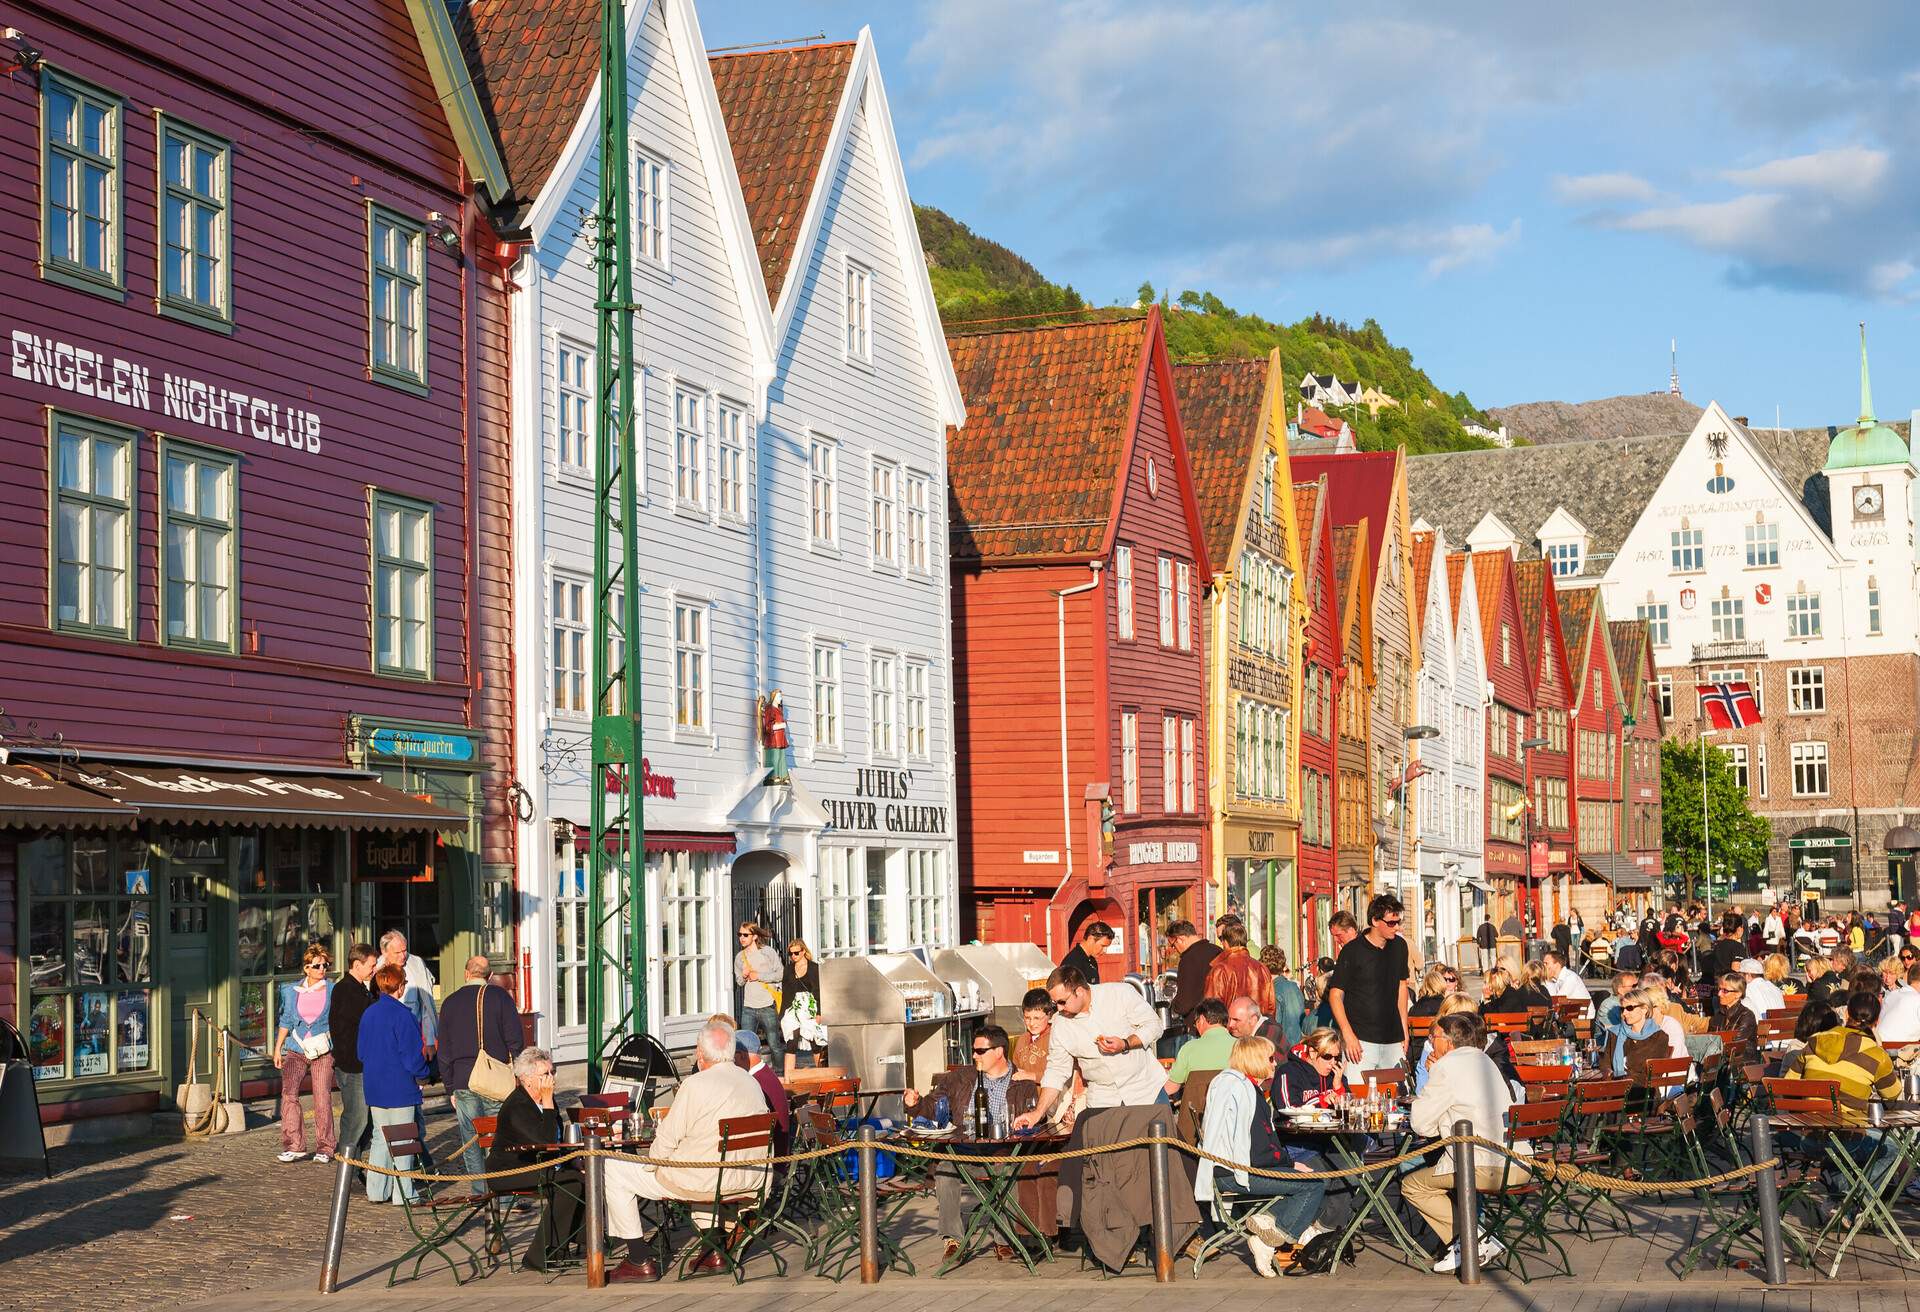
(1354, 842)
(1549, 767)
(1322, 660)
(1506, 648)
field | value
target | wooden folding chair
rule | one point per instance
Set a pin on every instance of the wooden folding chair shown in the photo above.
(435, 1221)
(1544, 1083)
(740, 1219)
(1518, 1214)
(1418, 1027)
(1506, 1022)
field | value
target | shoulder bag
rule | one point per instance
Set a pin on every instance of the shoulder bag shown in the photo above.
(490, 1077)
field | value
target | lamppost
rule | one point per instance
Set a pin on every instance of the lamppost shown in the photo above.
(1527, 747)
(1413, 733)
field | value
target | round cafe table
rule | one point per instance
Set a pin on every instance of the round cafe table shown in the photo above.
(998, 1216)
(1347, 1148)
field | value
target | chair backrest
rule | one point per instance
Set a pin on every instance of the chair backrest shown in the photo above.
(1568, 1009)
(1535, 1120)
(484, 1128)
(825, 1131)
(403, 1140)
(743, 1134)
(1776, 1028)
(1794, 1097)
(839, 1097)
(618, 1101)
(1523, 1049)
(1668, 1072)
(1419, 1026)
(1531, 1075)
(1793, 1003)
(1538, 1015)
(1506, 1022)
(598, 1120)
(1387, 1079)
(1601, 1097)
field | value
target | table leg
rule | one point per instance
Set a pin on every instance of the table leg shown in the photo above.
(1862, 1202)
(998, 1213)
(1374, 1190)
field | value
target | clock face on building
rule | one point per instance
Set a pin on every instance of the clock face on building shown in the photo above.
(1867, 499)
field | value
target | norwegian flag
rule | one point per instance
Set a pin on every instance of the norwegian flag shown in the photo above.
(1729, 705)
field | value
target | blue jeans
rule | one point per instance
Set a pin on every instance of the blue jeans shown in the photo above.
(765, 1021)
(1300, 1199)
(466, 1105)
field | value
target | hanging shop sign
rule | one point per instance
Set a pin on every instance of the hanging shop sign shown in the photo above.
(883, 803)
(393, 856)
(423, 745)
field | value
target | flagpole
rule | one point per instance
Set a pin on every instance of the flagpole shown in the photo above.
(1706, 830)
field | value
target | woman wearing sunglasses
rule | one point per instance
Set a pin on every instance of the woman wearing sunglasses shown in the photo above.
(303, 1048)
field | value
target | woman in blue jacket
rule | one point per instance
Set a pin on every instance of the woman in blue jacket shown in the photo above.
(302, 1050)
(390, 1052)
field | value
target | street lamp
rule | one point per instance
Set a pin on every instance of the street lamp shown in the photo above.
(1527, 747)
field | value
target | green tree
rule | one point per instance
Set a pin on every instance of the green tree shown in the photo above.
(1146, 294)
(1739, 837)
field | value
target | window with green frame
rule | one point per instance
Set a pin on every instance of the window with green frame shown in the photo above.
(290, 883)
(90, 958)
(81, 235)
(199, 531)
(196, 229)
(93, 476)
(397, 288)
(402, 586)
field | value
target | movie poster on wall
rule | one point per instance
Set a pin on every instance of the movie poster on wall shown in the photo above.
(90, 1034)
(133, 1052)
(47, 1038)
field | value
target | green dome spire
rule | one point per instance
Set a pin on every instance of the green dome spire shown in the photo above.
(1869, 442)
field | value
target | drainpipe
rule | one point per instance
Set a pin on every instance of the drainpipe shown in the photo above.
(1066, 781)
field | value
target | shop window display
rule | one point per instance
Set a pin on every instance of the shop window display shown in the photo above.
(90, 955)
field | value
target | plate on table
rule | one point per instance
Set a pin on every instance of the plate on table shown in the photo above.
(931, 1131)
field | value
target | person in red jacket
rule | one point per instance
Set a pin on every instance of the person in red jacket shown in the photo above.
(1235, 973)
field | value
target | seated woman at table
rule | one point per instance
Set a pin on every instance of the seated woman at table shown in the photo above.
(1731, 1015)
(1527, 991)
(1239, 1126)
(528, 1117)
(1312, 1072)
(1638, 1037)
(1850, 1055)
(1499, 996)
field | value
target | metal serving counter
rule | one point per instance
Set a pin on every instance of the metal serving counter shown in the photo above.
(986, 972)
(891, 1022)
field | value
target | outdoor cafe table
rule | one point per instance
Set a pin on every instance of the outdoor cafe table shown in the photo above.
(994, 1186)
(1372, 1189)
(1869, 1184)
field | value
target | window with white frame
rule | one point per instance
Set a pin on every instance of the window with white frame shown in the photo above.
(691, 668)
(1130, 762)
(1806, 689)
(826, 696)
(918, 677)
(92, 527)
(1803, 615)
(839, 902)
(823, 458)
(882, 724)
(1688, 551)
(877, 938)
(1269, 463)
(919, 523)
(1169, 763)
(686, 931)
(396, 248)
(884, 503)
(927, 915)
(1166, 601)
(690, 448)
(195, 231)
(1736, 754)
(1188, 765)
(1873, 606)
(1729, 615)
(859, 313)
(1183, 603)
(651, 214)
(1655, 615)
(572, 941)
(1564, 558)
(1736, 674)
(199, 520)
(1666, 696)
(1123, 588)
(402, 585)
(570, 661)
(1760, 767)
(1763, 546)
(573, 418)
(80, 181)
(730, 461)
(1809, 769)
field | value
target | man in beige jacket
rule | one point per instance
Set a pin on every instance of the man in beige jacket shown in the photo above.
(689, 1132)
(1463, 1084)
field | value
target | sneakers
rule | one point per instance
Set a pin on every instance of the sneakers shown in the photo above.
(1262, 1254)
(321, 1159)
(1264, 1229)
(291, 1156)
(1489, 1248)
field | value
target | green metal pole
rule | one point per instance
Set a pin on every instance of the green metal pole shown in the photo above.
(617, 974)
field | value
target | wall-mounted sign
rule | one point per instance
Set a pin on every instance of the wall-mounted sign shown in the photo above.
(423, 745)
(882, 803)
(1183, 851)
(1821, 840)
(1762, 593)
(651, 784)
(393, 855)
(1260, 840)
(49, 362)
(1033, 858)
(1687, 597)
(1145, 854)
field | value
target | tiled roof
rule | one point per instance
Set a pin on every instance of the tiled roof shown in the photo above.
(1360, 484)
(1220, 413)
(1576, 618)
(1306, 500)
(1348, 542)
(1629, 641)
(1490, 572)
(1530, 585)
(1034, 471)
(1456, 582)
(532, 63)
(1422, 571)
(780, 106)
(1316, 421)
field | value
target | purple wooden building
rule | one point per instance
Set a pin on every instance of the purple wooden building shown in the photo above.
(253, 587)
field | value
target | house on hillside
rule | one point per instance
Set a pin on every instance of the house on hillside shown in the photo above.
(1327, 390)
(1314, 432)
(1375, 400)
(1080, 642)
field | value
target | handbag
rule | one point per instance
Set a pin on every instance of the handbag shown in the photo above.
(313, 1046)
(490, 1077)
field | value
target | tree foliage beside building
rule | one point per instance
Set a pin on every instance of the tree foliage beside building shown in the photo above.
(1739, 837)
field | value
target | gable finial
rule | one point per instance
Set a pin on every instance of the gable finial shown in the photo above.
(1866, 388)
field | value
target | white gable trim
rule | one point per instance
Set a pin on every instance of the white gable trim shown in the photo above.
(1490, 530)
(723, 180)
(1797, 506)
(1561, 525)
(864, 87)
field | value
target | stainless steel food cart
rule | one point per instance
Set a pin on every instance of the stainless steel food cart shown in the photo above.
(981, 971)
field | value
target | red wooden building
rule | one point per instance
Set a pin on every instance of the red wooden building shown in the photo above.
(1079, 640)
(1640, 836)
(253, 578)
(1321, 661)
(1505, 645)
(1549, 767)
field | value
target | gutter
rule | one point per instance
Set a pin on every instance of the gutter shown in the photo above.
(1066, 780)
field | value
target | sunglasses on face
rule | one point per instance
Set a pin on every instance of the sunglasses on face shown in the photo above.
(981, 1052)
(1392, 922)
(318, 965)
(1634, 1006)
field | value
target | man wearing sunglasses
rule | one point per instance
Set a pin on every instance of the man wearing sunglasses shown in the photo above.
(992, 1070)
(1368, 992)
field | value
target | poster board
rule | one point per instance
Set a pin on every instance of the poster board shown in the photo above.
(21, 1136)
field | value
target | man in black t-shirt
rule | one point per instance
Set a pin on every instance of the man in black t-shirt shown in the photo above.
(1730, 948)
(1368, 992)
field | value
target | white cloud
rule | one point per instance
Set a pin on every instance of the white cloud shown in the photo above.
(1600, 188)
(1744, 221)
(1845, 171)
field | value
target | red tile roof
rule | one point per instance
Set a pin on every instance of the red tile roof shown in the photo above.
(1361, 485)
(1456, 576)
(1306, 502)
(780, 106)
(1422, 571)
(1349, 540)
(1530, 583)
(532, 63)
(1220, 413)
(1316, 421)
(1576, 622)
(1490, 573)
(1035, 470)
(1629, 638)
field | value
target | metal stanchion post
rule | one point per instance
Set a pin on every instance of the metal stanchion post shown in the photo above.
(1767, 1195)
(1466, 1207)
(596, 1217)
(336, 1227)
(1162, 1208)
(869, 1209)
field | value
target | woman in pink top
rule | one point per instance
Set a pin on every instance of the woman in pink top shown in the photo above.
(303, 1048)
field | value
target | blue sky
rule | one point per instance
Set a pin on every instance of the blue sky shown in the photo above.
(1532, 198)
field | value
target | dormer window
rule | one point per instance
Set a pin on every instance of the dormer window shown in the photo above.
(1563, 543)
(1564, 557)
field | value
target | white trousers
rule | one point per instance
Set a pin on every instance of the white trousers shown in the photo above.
(627, 1184)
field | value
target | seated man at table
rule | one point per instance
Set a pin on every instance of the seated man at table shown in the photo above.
(690, 1131)
(1563, 982)
(1007, 1096)
(1607, 1014)
(1464, 1085)
(749, 1058)
(1211, 1049)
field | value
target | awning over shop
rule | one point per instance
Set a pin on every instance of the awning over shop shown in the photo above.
(260, 797)
(32, 799)
(1624, 874)
(1903, 838)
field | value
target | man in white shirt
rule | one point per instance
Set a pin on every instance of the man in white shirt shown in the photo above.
(1773, 930)
(1110, 1031)
(1562, 981)
(1763, 995)
(1900, 1011)
(1463, 1084)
